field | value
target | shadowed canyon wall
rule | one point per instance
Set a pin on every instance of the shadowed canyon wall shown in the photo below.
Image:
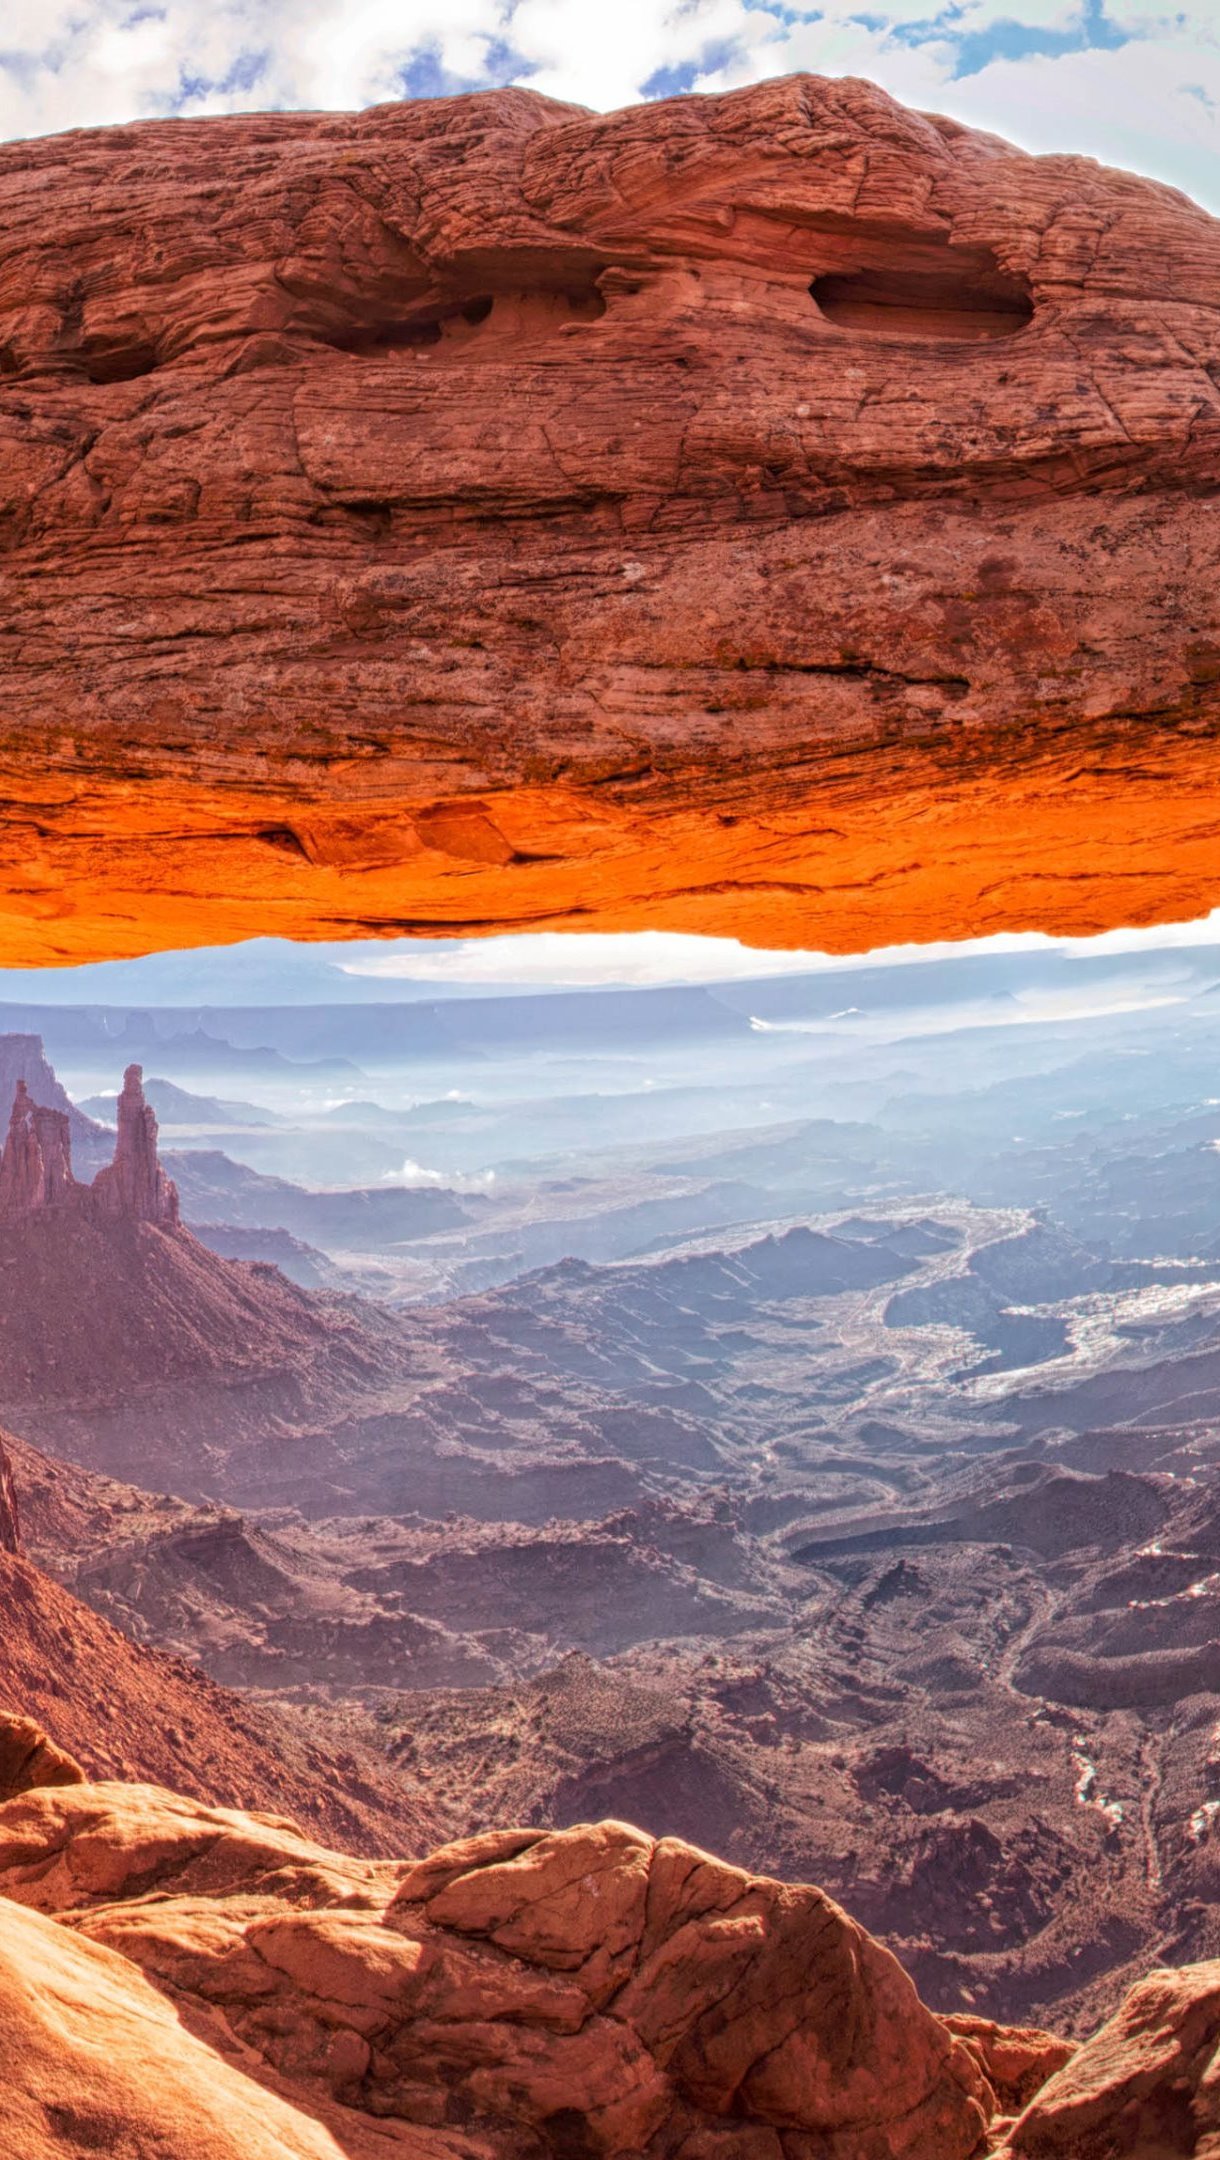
(776, 514)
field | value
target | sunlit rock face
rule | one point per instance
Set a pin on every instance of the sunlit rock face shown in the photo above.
(776, 514)
(588, 1994)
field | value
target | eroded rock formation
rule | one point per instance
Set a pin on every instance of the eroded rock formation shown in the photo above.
(36, 1165)
(518, 1996)
(23, 1057)
(134, 1185)
(211, 1984)
(97, 2058)
(29, 1759)
(706, 514)
(1144, 2087)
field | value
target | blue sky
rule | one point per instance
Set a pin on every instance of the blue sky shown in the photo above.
(1129, 81)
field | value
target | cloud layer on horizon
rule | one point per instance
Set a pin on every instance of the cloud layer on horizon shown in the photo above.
(1131, 82)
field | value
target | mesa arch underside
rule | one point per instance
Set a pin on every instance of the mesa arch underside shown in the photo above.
(776, 514)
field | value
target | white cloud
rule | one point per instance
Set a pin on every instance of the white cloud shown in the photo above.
(556, 960)
(1152, 106)
(603, 55)
(414, 1174)
(352, 56)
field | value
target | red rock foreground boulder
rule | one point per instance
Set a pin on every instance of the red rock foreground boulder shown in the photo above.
(777, 513)
(1146, 2087)
(210, 1985)
(523, 1994)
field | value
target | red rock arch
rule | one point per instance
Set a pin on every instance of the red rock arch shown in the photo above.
(653, 592)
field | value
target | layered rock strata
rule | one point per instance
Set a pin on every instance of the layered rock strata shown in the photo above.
(700, 515)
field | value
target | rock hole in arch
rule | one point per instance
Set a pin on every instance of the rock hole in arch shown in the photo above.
(387, 337)
(117, 363)
(961, 294)
(484, 320)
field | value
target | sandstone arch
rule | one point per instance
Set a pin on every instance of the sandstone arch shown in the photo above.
(458, 517)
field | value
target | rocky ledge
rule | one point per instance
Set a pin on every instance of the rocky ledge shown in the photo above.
(699, 515)
(212, 1986)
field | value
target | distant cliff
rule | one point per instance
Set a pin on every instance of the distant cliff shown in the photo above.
(23, 1057)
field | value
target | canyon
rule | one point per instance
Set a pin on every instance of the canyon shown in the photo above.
(867, 1539)
(124, 1710)
(702, 516)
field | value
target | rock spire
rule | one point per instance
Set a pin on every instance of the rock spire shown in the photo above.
(36, 1164)
(134, 1184)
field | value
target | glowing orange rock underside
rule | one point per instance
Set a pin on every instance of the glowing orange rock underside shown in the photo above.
(873, 854)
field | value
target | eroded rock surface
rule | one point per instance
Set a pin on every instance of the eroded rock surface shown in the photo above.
(1143, 2088)
(97, 2060)
(1016, 2060)
(591, 1991)
(208, 1983)
(699, 515)
(10, 1516)
(28, 1758)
